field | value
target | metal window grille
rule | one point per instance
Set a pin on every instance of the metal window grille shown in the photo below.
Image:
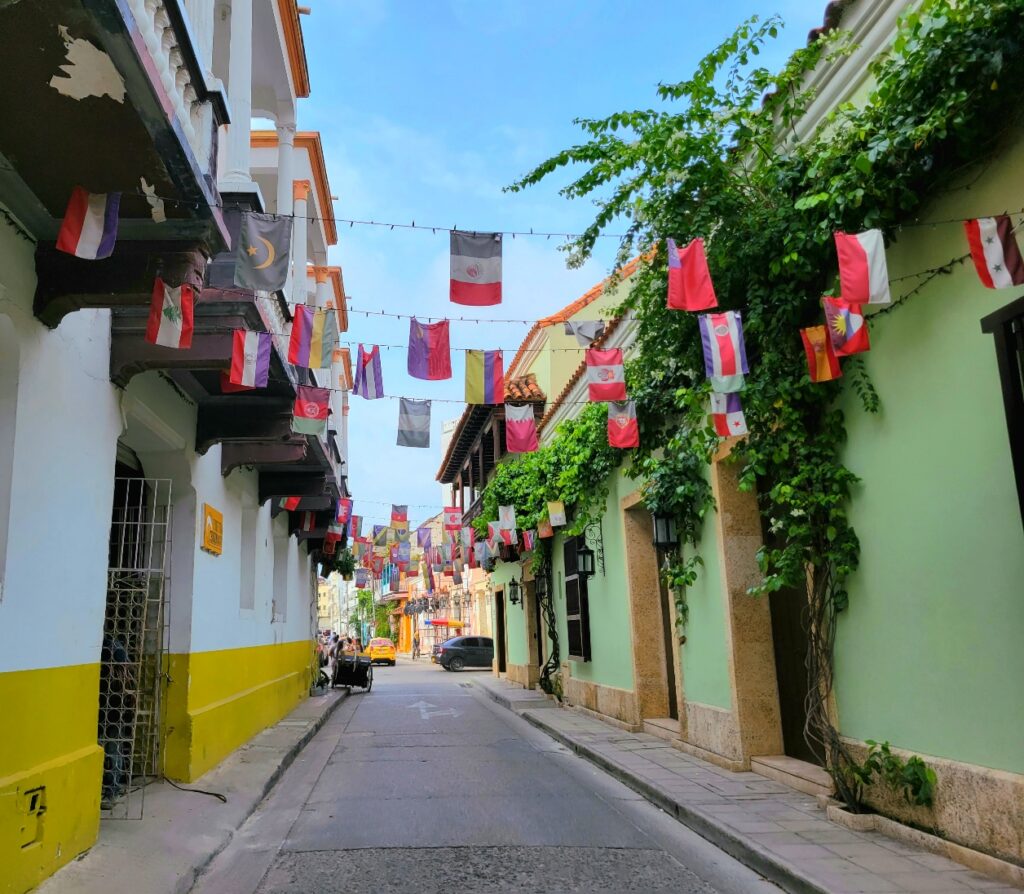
(135, 631)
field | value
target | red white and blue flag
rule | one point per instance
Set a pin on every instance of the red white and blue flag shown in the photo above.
(89, 229)
(250, 359)
(725, 353)
(727, 415)
(369, 382)
(170, 316)
(995, 252)
(846, 327)
(606, 375)
(689, 280)
(344, 511)
(863, 274)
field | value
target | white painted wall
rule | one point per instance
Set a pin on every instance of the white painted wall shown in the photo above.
(65, 423)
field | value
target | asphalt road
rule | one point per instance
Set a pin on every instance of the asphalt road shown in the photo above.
(424, 785)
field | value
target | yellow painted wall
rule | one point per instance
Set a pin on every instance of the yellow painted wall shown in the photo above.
(49, 739)
(219, 700)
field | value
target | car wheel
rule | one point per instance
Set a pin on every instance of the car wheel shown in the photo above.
(456, 664)
(394, 661)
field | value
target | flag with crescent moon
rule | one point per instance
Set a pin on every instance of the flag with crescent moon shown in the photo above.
(264, 245)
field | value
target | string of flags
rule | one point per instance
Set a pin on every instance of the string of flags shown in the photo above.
(262, 262)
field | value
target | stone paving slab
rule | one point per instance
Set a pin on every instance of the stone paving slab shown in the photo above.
(777, 831)
(180, 831)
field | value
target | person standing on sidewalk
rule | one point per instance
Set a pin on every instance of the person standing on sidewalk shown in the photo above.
(415, 645)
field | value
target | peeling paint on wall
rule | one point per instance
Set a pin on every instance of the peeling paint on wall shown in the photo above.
(88, 72)
(155, 202)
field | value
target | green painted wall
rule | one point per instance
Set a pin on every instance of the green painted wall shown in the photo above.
(704, 656)
(929, 652)
(611, 648)
(515, 617)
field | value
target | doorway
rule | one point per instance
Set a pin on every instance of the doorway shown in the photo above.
(499, 630)
(669, 640)
(135, 631)
(538, 624)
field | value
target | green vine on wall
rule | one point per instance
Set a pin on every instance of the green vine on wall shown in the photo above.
(730, 163)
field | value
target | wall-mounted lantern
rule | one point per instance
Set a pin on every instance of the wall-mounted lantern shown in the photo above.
(665, 536)
(513, 591)
(585, 561)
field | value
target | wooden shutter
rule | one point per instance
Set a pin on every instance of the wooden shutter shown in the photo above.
(576, 607)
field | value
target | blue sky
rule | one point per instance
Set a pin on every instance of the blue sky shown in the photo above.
(426, 110)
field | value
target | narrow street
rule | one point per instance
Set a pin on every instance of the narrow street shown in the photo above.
(425, 785)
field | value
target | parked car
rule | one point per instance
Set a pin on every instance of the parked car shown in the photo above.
(466, 651)
(383, 650)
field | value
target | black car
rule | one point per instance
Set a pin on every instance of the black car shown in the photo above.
(466, 651)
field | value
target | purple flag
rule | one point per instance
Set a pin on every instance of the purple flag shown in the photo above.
(423, 538)
(369, 383)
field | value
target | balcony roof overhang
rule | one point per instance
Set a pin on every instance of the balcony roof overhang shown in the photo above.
(84, 69)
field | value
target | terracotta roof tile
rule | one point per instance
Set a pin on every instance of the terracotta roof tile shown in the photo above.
(524, 388)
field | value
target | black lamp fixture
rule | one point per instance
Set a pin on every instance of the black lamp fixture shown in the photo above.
(513, 591)
(585, 561)
(665, 536)
(540, 585)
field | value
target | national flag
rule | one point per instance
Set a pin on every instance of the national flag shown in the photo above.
(413, 423)
(822, 363)
(289, 503)
(507, 516)
(485, 377)
(330, 547)
(369, 383)
(356, 526)
(307, 522)
(846, 327)
(452, 518)
(423, 537)
(586, 331)
(309, 416)
(520, 429)
(229, 387)
(467, 537)
(314, 337)
(721, 335)
(429, 352)
(344, 511)
(475, 268)
(264, 248)
(544, 529)
(606, 376)
(334, 533)
(727, 415)
(250, 358)
(995, 252)
(170, 316)
(689, 280)
(404, 551)
(480, 552)
(362, 578)
(623, 430)
(399, 513)
(380, 535)
(89, 229)
(727, 384)
(556, 513)
(529, 540)
(863, 274)
(508, 536)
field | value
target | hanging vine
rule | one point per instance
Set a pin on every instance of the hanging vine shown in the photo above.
(732, 162)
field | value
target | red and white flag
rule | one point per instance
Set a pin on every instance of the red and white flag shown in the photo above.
(452, 518)
(89, 228)
(250, 359)
(475, 268)
(623, 431)
(689, 280)
(606, 376)
(863, 274)
(520, 429)
(334, 532)
(727, 415)
(846, 327)
(529, 540)
(308, 523)
(344, 512)
(170, 316)
(507, 516)
(995, 252)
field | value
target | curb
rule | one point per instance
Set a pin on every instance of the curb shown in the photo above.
(187, 880)
(516, 708)
(786, 876)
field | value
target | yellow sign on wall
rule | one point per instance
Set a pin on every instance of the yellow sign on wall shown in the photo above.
(213, 530)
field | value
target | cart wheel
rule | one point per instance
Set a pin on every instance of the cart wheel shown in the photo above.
(369, 678)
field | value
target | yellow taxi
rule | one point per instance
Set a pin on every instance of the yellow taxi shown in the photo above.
(383, 650)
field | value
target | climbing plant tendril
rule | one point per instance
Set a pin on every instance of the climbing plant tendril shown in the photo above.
(729, 162)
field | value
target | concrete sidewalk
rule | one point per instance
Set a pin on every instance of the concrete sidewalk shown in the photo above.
(181, 832)
(775, 830)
